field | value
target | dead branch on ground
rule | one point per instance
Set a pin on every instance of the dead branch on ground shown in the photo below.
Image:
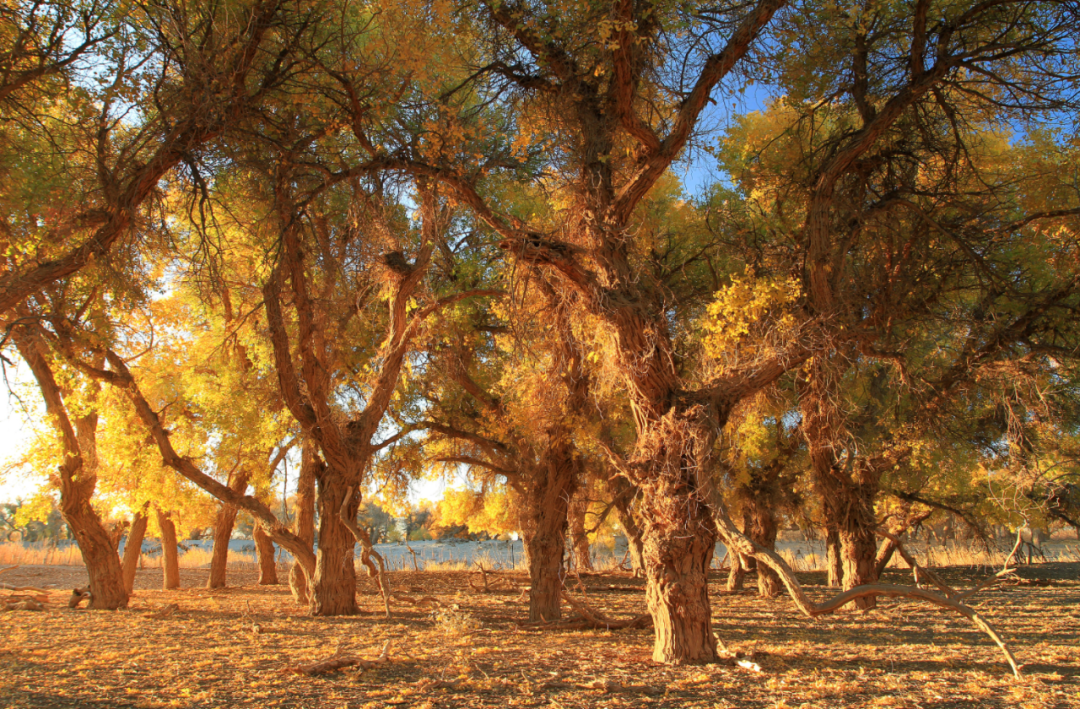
(337, 661)
(489, 587)
(425, 601)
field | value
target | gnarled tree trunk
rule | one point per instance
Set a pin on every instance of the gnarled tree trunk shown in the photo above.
(547, 507)
(264, 548)
(107, 588)
(223, 529)
(334, 585)
(170, 564)
(679, 543)
(858, 540)
(133, 549)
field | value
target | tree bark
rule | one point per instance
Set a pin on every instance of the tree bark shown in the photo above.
(858, 546)
(579, 537)
(133, 549)
(107, 588)
(334, 585)
(547, 506)
(264, 547)
(680, 537)
(737, 571)
(170, 563)
(223, 529)
(678, 552)
(762, 530)
(623, 493)
(833, 564)
(304, 526)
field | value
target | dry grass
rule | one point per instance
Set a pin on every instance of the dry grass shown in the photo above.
(44, 555)
(471, 653)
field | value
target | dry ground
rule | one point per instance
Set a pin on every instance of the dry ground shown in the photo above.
(207, 655)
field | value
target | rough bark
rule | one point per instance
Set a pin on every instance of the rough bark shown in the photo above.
(544, 530)
(223, 529)
(133, 549)
(304, 525)
(264, 548)
(678, 552)
(170, 564)
(334, 585)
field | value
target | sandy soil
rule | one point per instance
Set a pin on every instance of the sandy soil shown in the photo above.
(472, 653)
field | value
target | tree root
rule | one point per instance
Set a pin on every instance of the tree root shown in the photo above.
(588, 618)
(338, 662)
(743, 544)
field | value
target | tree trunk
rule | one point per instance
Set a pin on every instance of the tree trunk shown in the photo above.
(107, 588)
(547, 507)
(170, 564)
(833, 564)
(762, 529)
(264, 548)
(78, 478)
(304, 526)
(579, 537)
(737, 570)
(858, 554)
(623, 493)
(679, 540)
(334, 591)
(223, 529)
(133, 549)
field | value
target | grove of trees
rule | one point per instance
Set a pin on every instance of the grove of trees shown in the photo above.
(701, 268)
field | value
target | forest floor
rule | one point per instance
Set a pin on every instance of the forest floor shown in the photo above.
(471, 652)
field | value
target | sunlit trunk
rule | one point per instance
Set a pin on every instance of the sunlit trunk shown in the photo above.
(133, 549)
(170, 562)
(264, 548)
(223, 529)
(679, 541)
(334, 586)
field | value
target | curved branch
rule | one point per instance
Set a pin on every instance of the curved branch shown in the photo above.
(744, 545)
(367, 550)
